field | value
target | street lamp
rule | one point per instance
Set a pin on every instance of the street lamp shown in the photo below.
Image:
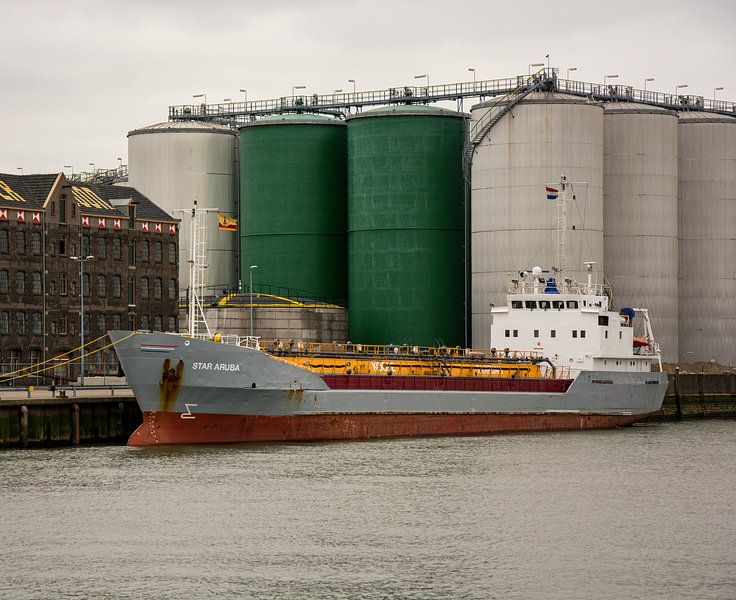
(716, 90)
(353, 82)
(120, 160)
(678, 87)
(472, 70)
(201, 96)
(568, 71)
(645, 82)
(81, 260)
(535, 65)
(20, 169)
(297, 87)
(421, 76)
(94, 168)
(251, 297)
(227, 99)
(608, 77)
(245, 95)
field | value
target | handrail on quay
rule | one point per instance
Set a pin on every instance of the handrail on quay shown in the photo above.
(345, 103)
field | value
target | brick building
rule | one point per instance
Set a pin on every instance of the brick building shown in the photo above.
(131, 283)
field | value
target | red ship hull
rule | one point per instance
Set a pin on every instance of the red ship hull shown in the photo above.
(171, 428)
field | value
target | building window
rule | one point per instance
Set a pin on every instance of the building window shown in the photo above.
(85, 284)
(131, 291)
(4, 289)
(62, 284)
(53, 329)
(20, 241)
(52, 288)
(144, 288)
(36, 282)
(603, 320)
(3, 240)
(85, 246)
(131, 253)
(172, 324)
(172, 253)
(145, 250)
(117, 285)
(117, 251)
(101, 286)
(4, 322)
(20, 282)
(100, 324)
(20, 319)
(34, 356)
(74, 210)
(131, 322)
(62, 208)
(144, 321)
(172, 289)
(158, 252)
(87, 317)
(73, 249)
(62, 245)
(53, 208)
(116, 321)
(36, 243)
(131, 216)
(101, 247)
(63, 321)
(158, 285)
(157, 323)
(36, 323)
(52, 249)
(73, 288)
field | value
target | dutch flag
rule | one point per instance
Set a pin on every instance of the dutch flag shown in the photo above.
(552, 193)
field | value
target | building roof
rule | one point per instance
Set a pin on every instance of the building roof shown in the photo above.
(31, 191)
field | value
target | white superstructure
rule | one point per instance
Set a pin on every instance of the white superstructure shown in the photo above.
(572, 325)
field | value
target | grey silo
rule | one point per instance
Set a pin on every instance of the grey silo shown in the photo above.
(175, 163)
(707, 237)
(513, 226)
(640, 214)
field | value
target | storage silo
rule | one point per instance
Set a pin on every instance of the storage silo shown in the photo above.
(293, 205)
(640, 214)
(406, 281)
(178, 162)
(707, 211)
(513, 225)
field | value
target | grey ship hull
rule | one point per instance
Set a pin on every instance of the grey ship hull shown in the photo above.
(193, 391)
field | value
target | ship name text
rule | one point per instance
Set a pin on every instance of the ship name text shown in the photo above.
(207, 366)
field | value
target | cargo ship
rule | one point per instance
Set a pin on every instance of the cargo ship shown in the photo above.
(589, 371)
(586, 367)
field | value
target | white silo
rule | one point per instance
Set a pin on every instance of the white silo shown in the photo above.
(707, 247)
(640, 214)
(513, 225)
(178, 162)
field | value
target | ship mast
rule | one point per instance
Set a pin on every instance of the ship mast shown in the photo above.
(562, 228)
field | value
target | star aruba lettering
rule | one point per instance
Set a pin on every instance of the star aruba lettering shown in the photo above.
(202, 366)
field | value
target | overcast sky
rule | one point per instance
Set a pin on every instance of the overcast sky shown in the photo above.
(77, 75)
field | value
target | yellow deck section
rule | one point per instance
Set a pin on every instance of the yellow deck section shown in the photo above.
(359, 359)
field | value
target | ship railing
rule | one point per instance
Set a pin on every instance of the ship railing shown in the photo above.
(396, 351)
(523, 286)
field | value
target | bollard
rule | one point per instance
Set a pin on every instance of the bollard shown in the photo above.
(24, 426)
(678, 399)
(75, 424)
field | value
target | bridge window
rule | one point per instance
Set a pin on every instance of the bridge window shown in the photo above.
(558, 304)
(574, 333)
(544, 304)
(517, 304)
(536, 333)
(553, 333)
(531, 304)
(572, 304)
(603, 320)
(516, 333)
(582, 333)
(508, 333)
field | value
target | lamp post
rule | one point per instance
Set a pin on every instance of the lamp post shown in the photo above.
(570, 69)
(716, 90)
(608, 77)
(472, 70)
(81, 260)
(422, 76)
(20, 169)
(251, 297)
(534, 65)
(353, 82)
(645, 82)
(201, 96)
(245, 94)
(678, 87)
(297, 87)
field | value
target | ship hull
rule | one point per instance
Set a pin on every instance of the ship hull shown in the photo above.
(193, 391)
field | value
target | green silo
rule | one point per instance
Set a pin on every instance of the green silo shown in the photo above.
(406, 224)
(293, 191)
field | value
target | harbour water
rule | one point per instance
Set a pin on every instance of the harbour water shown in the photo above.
(644, 512)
